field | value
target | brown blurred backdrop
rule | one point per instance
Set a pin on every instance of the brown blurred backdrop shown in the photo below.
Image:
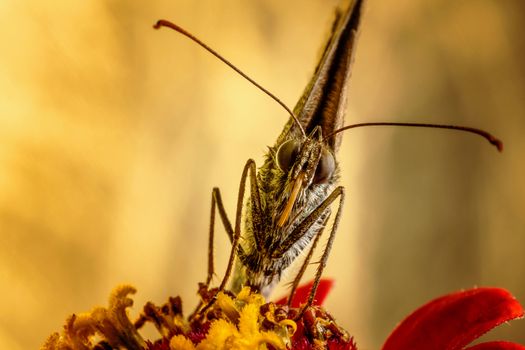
(112, 136)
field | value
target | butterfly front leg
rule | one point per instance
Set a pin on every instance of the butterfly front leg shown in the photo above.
(256, 214)
(302, 230)
(234, 234)
(305, 263)
(217, 205)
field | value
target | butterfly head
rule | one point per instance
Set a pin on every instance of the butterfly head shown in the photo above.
(307, 164)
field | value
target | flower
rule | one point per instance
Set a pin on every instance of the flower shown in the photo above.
(247, 321)
(222, 321)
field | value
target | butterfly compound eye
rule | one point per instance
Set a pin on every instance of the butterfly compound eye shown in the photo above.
(286, 155)
(325, 167)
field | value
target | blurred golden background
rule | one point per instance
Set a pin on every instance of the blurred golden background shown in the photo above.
(112, 136)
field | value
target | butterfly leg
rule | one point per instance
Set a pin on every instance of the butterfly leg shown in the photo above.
(303, 228)
(338, 192)
(216, 204)
(235, 234)
(249, 169)
(305, 263)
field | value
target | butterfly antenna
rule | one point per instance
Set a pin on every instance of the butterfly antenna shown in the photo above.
(486, 135)
(168, 24)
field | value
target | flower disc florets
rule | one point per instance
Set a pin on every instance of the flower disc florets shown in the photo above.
(222, 321)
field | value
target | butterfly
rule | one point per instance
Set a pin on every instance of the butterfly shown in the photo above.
(292, 195)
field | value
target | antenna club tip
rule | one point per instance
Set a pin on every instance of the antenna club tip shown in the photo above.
(160, 23)
(497, 143)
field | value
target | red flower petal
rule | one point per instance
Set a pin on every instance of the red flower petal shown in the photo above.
(302, 293)
(453, 321)
(497, 345)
